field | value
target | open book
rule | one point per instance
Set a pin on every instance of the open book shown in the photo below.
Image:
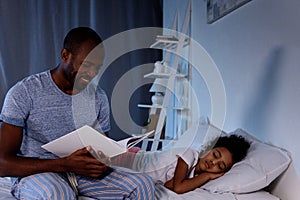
(87, 136)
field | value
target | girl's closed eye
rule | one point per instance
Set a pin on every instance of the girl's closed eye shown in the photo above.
(217, 154)
(222, 166)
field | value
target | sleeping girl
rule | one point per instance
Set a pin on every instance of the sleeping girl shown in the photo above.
(185, 169)
(189, 175)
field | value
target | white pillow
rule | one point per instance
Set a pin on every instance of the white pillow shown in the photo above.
(261, 166)
(259, 195)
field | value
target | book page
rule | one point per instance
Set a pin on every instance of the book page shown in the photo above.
(87, 136)
(132, 141)
(99, 142)
(64, 145)
(83, 137)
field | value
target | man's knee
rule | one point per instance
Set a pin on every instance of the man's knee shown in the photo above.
(43, 186)
(144, 186)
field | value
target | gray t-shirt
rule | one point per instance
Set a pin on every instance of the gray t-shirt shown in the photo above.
(46, 113)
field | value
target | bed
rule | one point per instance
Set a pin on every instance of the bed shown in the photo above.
(162, 193)
(258, 176)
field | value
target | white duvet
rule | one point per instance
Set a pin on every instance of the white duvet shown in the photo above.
(143, 163)
(161, 193)
(199, 194)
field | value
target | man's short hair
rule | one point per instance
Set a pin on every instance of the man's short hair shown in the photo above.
(77, 36)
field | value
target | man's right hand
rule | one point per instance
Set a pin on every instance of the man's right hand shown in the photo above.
(83, 163)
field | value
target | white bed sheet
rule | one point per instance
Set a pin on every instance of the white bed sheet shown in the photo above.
(259, 195)
(162, 193)
(4, 189)
(165, 194)
(199, 194)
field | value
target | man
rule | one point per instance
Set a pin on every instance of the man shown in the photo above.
(50, 104)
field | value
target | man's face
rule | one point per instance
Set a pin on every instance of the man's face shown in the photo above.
(82, 67)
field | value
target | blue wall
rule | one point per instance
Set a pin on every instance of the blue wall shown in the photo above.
(256, 49)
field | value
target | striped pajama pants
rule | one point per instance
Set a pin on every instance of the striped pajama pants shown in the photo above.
(54, 186)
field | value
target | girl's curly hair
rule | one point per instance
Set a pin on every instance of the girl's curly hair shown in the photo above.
(237, 145)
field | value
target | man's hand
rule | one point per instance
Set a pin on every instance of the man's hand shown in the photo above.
(99, 156)
(83, 163)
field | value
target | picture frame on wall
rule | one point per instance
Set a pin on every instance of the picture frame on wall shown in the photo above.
(217, 9)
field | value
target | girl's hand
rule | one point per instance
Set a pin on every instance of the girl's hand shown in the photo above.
(213, 176)
(169, 184)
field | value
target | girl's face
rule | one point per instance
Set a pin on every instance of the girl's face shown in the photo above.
(217, 160)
